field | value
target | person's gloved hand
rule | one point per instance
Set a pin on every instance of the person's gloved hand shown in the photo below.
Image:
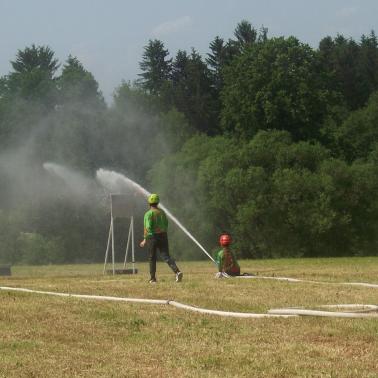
(219, 275)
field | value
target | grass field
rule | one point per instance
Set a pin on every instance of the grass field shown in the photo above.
(46, 336)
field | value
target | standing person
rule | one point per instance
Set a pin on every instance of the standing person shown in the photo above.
(155, 236)
(225, 258)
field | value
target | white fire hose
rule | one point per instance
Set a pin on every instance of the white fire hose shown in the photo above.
(285, 313)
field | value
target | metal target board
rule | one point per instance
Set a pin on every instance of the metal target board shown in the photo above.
(122, 206)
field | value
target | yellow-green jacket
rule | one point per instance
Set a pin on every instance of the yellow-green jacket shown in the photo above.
(155, 222)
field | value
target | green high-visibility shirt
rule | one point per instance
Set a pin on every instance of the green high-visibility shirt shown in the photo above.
(155, 222)
(227, 261)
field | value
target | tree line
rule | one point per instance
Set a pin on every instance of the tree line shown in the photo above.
(264, 137)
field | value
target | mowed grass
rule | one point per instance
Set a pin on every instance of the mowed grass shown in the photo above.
(46, 336)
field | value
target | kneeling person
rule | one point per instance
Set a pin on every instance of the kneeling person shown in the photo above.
(225, 258)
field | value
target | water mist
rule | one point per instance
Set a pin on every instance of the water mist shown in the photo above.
(116, 182)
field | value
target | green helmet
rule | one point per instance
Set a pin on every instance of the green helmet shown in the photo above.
(153, 199)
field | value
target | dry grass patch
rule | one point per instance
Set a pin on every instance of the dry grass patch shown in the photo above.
(50, 336)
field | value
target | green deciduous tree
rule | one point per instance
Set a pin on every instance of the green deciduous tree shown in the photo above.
(296, 201)
(275, 85)
(357, 136)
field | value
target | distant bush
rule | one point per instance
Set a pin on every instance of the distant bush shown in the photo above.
(34, 249)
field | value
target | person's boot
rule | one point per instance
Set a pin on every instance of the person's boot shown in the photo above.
(152, 280)
(179, 276)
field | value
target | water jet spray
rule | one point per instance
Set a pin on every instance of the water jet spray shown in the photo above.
(116, 182)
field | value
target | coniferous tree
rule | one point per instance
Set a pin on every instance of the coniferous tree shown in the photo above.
(32, 78)
(77, 85)
(352, 67)
(155, 66)
(35, 57)
(368, 64)
(245, 33)
(179, 68)
(193, 93)
(216, 60)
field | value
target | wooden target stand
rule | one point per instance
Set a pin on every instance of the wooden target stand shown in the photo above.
(121, 206)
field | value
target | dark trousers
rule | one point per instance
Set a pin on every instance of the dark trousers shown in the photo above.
(159, 242)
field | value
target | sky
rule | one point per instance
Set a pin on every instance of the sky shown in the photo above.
(108, 36)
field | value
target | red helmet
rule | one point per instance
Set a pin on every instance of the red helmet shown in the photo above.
(225, 240)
